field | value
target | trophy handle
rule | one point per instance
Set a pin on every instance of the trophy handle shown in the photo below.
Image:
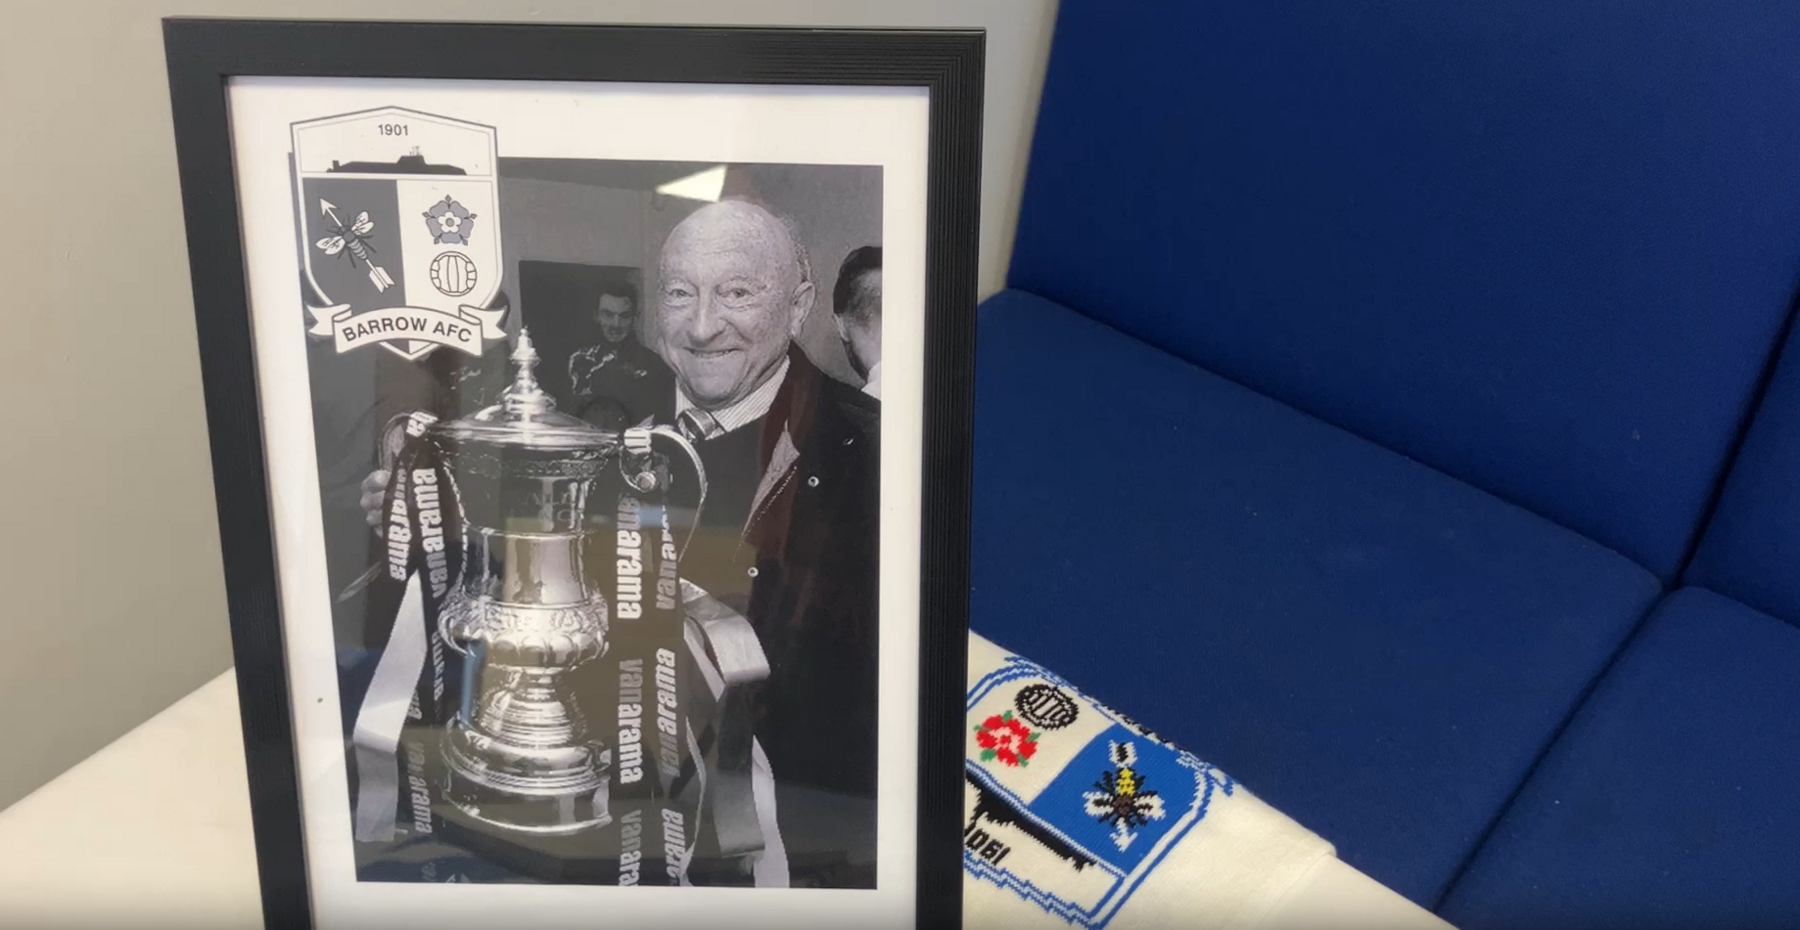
(693, 455)
(393, 439)
(443, 634)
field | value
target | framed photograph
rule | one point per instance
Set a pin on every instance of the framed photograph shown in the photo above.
(590, 418)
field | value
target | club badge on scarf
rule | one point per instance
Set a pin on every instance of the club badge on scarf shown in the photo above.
(1070, 805)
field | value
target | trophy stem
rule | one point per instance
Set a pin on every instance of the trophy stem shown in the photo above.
(523, 757)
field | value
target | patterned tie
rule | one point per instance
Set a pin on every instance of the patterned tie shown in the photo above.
(696, 424)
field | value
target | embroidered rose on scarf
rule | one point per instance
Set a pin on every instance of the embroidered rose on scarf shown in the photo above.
(1005, 738)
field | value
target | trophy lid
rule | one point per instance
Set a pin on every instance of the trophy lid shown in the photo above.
(526, 416)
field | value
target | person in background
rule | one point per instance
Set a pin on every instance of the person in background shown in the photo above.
(619, 382)
(856, 309)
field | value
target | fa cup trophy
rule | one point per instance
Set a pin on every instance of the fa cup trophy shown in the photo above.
(543, 553)
(521, 755)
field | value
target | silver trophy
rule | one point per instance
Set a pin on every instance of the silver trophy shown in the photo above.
(525, 610)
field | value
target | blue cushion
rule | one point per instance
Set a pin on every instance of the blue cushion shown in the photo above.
(1752, 545)
(1669, 802)
(1377, 649)
(1542, 245)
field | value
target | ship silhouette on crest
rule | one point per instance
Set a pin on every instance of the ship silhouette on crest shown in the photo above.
(410, 163)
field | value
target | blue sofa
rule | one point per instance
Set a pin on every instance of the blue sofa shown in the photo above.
(1387, 402)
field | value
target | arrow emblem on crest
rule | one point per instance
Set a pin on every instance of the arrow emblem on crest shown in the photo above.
(352, 240)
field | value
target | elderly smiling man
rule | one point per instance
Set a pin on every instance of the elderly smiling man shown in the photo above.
(789, 532)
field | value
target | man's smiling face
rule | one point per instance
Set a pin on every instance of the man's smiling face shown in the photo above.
(732, 295)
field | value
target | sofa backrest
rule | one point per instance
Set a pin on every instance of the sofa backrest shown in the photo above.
(1751, 550)
(1543, 245)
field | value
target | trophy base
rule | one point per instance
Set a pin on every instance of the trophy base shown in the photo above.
(544, 815)
(572, 859)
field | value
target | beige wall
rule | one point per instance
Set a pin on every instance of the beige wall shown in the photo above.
(111, 597)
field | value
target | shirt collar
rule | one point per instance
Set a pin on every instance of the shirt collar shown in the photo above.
(872, 386)
(748, 410)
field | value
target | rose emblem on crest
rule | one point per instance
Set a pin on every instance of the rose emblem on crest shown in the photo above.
(1003, 737)
(449, 222)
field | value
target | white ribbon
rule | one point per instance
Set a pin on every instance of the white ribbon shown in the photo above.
(376, 735)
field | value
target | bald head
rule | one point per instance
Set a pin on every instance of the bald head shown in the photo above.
(735, 289)
(740, 225)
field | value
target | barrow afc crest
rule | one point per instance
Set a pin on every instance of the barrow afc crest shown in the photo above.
(399, 221)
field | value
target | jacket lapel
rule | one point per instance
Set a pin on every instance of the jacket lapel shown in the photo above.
(782, 465)
(785, 430)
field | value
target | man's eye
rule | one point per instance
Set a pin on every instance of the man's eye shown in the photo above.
(737, 293)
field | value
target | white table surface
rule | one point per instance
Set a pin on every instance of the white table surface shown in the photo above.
(154, 831)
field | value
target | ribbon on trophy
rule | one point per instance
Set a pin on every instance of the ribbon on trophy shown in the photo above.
(719, 774)
(410, 696)
(730, 661)
(699, 772)
(654, 736)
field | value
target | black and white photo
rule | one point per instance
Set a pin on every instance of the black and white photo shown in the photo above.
(772, 502)
(594, 417)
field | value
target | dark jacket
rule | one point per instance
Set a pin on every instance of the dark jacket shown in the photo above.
(621, 385)
(790, 539)
(814, 531)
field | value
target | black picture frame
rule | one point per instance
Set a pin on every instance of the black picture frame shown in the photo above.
(204, 54)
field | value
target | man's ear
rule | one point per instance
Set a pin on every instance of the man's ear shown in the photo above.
(803, 304)
(837, 320)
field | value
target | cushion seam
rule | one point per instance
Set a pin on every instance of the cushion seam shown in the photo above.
(1728, 464)
(1784, 621)
(1550, 743)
